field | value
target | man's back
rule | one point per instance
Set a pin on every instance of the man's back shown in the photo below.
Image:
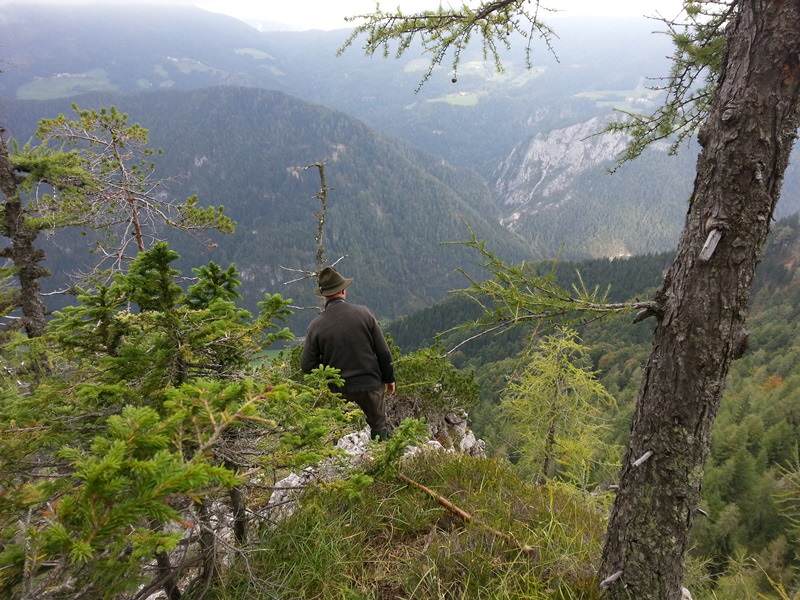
(347, 336)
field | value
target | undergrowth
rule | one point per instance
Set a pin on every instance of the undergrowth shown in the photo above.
(386, 540)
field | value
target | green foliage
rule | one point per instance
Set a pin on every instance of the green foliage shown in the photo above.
(150, 281)
(630, 277)
(410, 432)
(553, 409)
(431, 379)
(521, 294)
(749, 490)
(191, 216)
(213, 284)
(790, 494)
(120, 492)
(102, 170)
(91, 173)
(67, 174)
(689, 88)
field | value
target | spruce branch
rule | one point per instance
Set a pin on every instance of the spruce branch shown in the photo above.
(444, 32)
(698, 35)
(520, 293)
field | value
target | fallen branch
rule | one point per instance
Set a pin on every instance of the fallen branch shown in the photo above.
(469, 517)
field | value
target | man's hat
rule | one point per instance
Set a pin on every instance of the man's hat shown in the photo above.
(331, 282)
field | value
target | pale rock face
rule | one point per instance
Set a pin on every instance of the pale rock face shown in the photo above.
(283, 500)
(470, 444)
(685, 594)
(355, 444)
(430, 445)
(538, 171)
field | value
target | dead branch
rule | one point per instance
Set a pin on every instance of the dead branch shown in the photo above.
(469, 517)
(322, 196)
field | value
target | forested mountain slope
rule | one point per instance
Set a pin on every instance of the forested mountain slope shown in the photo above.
(621, 278)
(556, 189)
(390, 207)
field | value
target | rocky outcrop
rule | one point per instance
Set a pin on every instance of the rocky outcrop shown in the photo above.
(448, 432)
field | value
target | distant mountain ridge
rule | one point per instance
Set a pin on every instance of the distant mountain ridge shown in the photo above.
(526, 132)
(473, 123)
(391, 207)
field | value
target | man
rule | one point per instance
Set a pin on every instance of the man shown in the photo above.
(347, 336)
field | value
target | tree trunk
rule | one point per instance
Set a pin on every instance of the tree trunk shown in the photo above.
(548, 466)
(746, 141)
(25, 256)
(208, 546)
(165, 573)
(239, 509)
(238, 498)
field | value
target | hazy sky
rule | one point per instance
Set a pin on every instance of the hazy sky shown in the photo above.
(329, 14)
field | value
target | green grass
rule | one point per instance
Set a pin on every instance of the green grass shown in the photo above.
(391, 541)
(468, 99)
(253, 53)
(65, 84)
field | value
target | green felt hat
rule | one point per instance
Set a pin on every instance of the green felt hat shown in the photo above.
(331, 282)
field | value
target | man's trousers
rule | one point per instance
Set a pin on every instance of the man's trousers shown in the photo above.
(371, 402)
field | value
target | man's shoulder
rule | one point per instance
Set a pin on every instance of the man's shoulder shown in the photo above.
(314, 323)
(364, 310)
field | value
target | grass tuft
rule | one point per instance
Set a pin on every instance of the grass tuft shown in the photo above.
(391, 541)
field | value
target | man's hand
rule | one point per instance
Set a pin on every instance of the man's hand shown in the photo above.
(390, 387)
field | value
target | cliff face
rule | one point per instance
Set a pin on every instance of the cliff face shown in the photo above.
(537, 173)
(555, 190)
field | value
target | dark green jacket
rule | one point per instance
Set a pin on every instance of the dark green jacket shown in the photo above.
(348, 337)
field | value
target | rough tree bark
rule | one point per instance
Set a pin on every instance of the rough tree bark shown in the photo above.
(22, 252)
(239, 510)
(746, 141)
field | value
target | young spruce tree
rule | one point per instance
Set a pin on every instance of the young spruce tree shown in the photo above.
(553, 410)
(153, 424)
